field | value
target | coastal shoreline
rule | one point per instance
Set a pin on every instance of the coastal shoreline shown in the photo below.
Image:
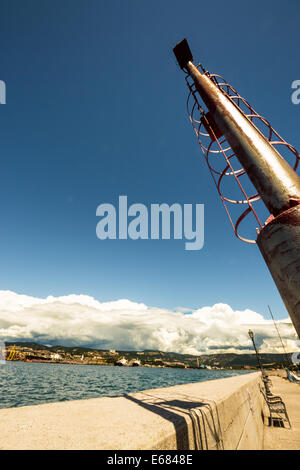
(34, 352)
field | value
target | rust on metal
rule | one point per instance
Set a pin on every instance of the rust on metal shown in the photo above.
(279, 243)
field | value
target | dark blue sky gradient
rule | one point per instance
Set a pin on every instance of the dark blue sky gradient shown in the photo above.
(96, 108)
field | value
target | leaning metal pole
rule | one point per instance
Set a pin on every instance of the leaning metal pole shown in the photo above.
(274, 179)
(250, 333)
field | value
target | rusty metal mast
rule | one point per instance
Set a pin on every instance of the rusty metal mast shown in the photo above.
(230, 128)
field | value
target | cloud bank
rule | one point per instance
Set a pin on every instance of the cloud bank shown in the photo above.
(75, 320)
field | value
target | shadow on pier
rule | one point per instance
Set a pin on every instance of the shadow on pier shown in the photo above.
(196, 423)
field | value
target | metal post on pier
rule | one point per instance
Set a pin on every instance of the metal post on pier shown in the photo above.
(229, 123)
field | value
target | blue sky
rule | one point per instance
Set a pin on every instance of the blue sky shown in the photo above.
(96, 108)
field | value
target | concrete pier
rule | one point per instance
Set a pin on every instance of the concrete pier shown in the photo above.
(218, 414)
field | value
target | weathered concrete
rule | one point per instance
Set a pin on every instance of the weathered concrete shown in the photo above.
(218, 414)
(276, 438)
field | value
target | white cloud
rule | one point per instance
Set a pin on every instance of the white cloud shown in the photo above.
(122, 324)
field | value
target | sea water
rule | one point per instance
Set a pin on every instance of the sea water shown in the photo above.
(24, 383)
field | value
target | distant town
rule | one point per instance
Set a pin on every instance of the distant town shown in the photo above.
(34, 352)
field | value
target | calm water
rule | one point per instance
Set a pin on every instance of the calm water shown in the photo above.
(32, 383)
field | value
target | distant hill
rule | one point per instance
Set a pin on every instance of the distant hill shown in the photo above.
(157, 357)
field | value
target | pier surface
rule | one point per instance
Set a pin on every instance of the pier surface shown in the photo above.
(277, 438)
